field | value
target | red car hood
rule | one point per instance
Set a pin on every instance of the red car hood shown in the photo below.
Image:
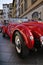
(35, 27)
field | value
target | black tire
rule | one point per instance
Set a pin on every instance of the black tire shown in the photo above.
(3, 34)
(0, 30)
(24, 50)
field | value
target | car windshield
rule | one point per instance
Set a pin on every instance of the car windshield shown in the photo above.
(18, 20)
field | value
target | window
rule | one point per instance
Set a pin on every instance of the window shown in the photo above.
(25, 4)
(19, 11)
(22, 9)
(10, 8)
(33, 1)
(21, 0)
(4, 13)
(7, 5)
(35, 15)
(4, 16)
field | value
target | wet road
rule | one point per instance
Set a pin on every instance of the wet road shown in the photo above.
(8, 55)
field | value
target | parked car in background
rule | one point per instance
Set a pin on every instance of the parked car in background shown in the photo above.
(26, 35)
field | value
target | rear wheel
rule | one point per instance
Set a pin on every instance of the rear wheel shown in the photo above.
(20, 46)
(0, 30)
(3, 34)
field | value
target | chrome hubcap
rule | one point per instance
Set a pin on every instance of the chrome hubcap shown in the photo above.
(18, 44)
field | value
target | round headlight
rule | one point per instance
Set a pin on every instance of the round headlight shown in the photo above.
(31, 37)
(41, 38)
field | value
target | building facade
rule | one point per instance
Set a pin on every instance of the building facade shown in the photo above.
(10, 10)
(5, 12)
(31, 9)
(1, 16)
(15, 8)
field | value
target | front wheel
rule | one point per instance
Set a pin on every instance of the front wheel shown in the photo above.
(20, 46)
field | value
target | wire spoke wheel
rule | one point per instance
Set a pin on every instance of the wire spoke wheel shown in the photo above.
(18, 44)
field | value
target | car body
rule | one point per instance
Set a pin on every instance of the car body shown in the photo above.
(30, 31)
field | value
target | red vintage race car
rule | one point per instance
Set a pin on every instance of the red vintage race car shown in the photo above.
(26, 35)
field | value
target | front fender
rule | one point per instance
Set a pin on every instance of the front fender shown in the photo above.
(26, 33)
(37, 32)
(4, 29)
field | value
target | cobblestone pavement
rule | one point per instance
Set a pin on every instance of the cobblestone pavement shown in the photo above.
(8, 55)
